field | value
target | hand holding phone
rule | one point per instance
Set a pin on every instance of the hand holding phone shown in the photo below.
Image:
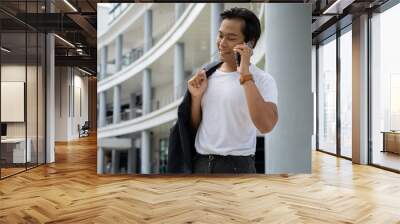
(237, 55)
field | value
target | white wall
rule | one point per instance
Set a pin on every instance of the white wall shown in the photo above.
(61, 103)
(33, 127)
(71, 88)
(164, 94)
(12, 73)
(103, 18)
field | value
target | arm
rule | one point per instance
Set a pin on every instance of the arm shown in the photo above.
(197, 86)
(263, 114)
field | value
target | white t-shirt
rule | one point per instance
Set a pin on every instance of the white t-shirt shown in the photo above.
(226, 127)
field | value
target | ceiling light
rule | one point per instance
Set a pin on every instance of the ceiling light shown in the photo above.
(5, 49)
(70, 5)
(65, 41)
(328, 10)
(338, 6)
(86, 72)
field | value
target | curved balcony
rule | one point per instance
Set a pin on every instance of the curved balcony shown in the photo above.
(128, 17)
(153, 119)
(166, 42)
(117, 10)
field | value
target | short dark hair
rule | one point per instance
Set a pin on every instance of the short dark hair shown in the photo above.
(252, 28)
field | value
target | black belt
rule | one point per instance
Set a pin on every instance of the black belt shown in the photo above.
(214, 156)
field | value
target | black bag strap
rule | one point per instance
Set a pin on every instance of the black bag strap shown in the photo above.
(186, 103)
(211, 67)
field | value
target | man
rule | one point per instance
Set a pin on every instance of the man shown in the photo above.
(235, 101)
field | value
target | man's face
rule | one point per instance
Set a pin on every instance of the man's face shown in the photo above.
(229, 35)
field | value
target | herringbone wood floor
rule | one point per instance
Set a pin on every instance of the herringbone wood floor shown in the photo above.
(69, 191)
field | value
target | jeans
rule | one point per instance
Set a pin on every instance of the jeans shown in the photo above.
(224, 164)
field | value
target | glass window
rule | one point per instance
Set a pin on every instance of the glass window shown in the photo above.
(22, 92)
(385, 87)
(15, 149)
(327, 95)
(346, 94)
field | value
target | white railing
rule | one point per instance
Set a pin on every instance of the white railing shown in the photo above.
(125, 115)
(130, 15)
(163, 110)
(169, 98)
(133, 55)
(168, 40)
(145, 122)
(117, 10)
(109, 120)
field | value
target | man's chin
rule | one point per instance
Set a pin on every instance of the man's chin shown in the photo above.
(223, 57)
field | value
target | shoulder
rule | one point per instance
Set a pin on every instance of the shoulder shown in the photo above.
(260, 76)
(265, 83)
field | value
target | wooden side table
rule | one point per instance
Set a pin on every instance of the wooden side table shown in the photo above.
(391, 141)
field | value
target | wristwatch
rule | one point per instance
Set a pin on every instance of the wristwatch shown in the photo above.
(246, 77)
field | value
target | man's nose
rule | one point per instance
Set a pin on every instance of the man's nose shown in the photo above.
(222, 43)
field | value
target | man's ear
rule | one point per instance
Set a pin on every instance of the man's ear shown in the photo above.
(252, 42)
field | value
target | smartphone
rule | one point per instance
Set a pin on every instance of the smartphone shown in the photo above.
(237, 55)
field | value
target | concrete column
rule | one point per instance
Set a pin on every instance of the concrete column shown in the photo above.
(179, 9)
(179, 73)
(148, 30)
(50, 98)
(102, 95)
(146, 92)
(100, 160)
(148, 42)
(103, 63)
(216, 10)
(145, 152)
(50, 92)
(146, 95)
(102, 109)
(132, 158)
(360, 90)
(118, 52)
(288, 146)
(117, 104)
(114, 161)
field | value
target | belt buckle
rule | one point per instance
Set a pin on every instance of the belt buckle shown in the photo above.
(210, 158)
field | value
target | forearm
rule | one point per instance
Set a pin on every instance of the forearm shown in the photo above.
(196, 112)
(263, 115)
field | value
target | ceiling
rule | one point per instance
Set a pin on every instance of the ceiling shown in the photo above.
(329, 16)
(74, 21)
